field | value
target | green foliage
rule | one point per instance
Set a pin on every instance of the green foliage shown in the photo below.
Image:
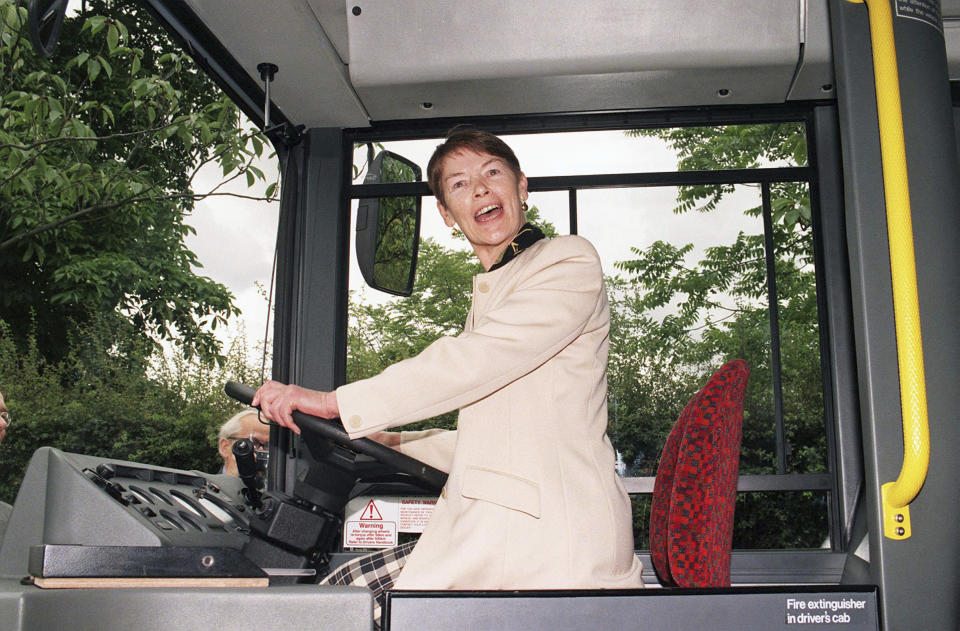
(98, 150)
(131, 402)
(728, 147)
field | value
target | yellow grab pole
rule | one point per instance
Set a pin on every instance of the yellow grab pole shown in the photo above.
(897, 495)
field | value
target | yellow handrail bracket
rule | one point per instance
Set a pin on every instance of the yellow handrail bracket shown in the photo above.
(896, 519)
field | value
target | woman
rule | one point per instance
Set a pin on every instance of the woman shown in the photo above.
(532, 500)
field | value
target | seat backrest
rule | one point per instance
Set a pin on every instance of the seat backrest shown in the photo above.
(691, 520)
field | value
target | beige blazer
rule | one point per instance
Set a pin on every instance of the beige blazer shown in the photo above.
(532, 501)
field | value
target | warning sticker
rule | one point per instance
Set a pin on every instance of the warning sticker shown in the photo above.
(415, 512)
(368, 528)
(369, 534)
(373, 522)
(924, 10)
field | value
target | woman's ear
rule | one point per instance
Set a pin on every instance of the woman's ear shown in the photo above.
(522, 187)
(446, 214)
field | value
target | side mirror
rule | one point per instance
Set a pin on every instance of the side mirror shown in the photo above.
(44, 18)
(388, 228)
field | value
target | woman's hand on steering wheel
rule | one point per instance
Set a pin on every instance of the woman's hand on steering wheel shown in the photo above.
(277, 401)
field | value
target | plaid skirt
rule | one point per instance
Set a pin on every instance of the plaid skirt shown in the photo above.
(377, 571)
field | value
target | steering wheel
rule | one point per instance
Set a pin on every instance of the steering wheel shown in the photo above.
(332, 430)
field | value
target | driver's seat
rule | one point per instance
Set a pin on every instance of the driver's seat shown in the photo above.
(691, 519)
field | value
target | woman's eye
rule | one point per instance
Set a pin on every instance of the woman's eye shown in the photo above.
(493, 172)
(458, 184)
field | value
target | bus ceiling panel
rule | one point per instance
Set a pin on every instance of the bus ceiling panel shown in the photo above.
(576, 93)
(433, 58)
(305, 39)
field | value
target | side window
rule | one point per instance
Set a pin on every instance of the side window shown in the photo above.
(706, 236)
(707, 273)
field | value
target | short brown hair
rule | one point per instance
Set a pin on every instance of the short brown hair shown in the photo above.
(475, 140)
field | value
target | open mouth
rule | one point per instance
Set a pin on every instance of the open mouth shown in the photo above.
(488, 212)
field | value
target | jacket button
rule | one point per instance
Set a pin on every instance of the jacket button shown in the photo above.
(355, 421)
(443, 492)
(483, 287)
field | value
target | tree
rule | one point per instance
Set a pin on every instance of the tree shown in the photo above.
(99, 147)
(130, 403)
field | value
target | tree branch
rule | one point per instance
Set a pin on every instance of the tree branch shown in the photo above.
(130, 200)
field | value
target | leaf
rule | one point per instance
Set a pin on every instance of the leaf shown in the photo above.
(93, 69)
(96, 23)
(79, 60)
(271, 189)
(113, 37)
(107, 68)
(791, 216)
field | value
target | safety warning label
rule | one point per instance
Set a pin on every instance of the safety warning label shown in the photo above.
(415, 513)
(369, 529)
(924, 10)
(374, 522)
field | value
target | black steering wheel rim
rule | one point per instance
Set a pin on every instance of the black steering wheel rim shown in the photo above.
(333, 430)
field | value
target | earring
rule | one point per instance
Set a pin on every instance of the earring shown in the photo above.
(523, 206)
(455, 232)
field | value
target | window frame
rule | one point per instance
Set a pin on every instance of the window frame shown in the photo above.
(843, 480)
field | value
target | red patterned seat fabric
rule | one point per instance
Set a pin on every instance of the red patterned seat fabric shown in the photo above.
(691, 521)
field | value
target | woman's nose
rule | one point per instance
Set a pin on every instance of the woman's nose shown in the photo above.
(480, 188)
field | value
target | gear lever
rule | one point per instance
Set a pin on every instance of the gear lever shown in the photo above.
(247, 468)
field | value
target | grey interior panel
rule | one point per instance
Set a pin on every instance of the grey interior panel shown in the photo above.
(30, 608)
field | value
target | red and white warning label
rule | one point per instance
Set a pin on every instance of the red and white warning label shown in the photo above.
(369, 529)
(373, 522)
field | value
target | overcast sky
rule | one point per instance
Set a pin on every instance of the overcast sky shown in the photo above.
(236, 237)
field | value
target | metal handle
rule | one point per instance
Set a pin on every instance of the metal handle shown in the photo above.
(897, 495)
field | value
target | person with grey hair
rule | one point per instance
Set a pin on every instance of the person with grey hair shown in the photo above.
(4, 418)
(243, 424)
(5, 509)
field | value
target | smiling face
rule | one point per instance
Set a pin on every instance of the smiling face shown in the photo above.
(483, 197)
